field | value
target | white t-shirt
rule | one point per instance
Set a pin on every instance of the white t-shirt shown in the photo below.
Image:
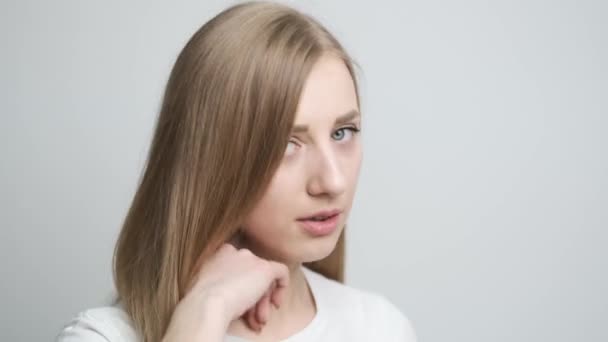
(343, 313)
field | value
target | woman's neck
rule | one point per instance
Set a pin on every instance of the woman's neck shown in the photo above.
(297, 295)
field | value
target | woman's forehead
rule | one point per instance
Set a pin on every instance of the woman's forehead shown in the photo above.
(328, 94)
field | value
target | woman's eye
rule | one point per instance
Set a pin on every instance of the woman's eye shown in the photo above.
(291, 146)
(342, 132)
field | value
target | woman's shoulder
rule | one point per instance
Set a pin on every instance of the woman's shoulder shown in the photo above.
(100, 324)
(369, 308)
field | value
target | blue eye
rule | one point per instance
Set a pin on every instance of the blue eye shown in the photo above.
(341, 133)
(293, 146)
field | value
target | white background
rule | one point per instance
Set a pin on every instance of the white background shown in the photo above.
(482, 210)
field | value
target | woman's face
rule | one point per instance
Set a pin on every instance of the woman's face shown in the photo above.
(318, 173)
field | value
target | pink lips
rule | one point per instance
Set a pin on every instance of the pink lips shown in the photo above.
(322, 227)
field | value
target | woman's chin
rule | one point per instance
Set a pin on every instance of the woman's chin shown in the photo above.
(317, 248)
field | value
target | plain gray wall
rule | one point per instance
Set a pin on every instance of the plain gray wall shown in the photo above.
(482, 210)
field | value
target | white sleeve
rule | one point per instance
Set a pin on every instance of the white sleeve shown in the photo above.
(101, 325)
(81, 329)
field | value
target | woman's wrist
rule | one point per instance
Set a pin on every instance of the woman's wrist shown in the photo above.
(215, 312)
(209, 322)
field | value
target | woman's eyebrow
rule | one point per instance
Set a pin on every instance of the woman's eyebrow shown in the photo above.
(344, 118)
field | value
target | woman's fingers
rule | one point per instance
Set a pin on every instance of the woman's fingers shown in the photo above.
(280, 284)
(276, 297)
(251, 320)
(272, 295)
(263, 309)
(258, 315)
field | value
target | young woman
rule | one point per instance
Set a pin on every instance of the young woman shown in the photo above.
(236, 232)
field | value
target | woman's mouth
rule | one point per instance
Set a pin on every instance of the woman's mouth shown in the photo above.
(322, 223)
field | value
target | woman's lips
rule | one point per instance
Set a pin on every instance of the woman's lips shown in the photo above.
(322, 213)
(320, 228)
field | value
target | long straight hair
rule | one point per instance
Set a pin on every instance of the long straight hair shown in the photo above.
(227, 112)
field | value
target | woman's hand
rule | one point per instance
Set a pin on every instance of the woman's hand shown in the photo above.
(231, 284)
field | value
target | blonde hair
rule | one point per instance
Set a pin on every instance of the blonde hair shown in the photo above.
(225, 120)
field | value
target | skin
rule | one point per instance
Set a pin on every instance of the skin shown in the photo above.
(257, 285)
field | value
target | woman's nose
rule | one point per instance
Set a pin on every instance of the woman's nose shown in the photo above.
(326, 176)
